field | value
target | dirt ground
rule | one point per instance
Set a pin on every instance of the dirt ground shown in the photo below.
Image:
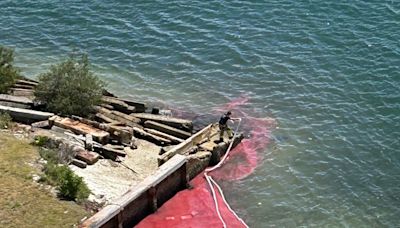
(108, 179)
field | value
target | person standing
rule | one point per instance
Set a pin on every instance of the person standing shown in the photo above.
(223, 125)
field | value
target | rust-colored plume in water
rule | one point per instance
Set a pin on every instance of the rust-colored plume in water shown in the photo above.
(195, 207)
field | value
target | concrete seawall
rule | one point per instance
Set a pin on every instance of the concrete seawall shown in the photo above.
(144, 198)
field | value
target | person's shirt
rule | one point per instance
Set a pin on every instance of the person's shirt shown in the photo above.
(224, 119)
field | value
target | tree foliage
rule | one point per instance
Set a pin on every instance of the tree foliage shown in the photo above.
(8, 74)
(70, 88)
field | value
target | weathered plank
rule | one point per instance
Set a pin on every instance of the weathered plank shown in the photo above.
(15, 105)
(109, 152)
(79, 163)
(167, 129)
(27, 82)
(80, 128)
(139, 133)
(107, 106)
(118, 104)
(88, 157)
(122, 134)
(183, 124)
(16, 99)
(25, 115)
(127, 117)
(22, 86)
(22, 92)
(89, 142)
(186, 145)
(102, 118)
(116, 116)
(140, 107)
(41, 124)
(173, 139)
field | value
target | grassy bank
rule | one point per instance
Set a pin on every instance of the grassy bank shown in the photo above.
(22, 202)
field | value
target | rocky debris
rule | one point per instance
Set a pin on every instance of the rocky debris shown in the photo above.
(87, 156)
(41, 124)
(79, 163)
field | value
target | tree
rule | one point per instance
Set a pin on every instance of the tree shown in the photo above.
(70, 88)
(8, 74)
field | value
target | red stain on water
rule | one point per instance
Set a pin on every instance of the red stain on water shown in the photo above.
(195, 207)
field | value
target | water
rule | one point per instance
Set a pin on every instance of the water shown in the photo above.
(328, 72)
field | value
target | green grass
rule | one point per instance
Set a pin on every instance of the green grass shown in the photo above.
(22, 202)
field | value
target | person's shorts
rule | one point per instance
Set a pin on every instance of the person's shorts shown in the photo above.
(223, 127)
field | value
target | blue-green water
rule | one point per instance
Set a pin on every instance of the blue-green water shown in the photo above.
(328, 71)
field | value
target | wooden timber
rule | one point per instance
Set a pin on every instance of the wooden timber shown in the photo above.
(41, 124)
(122, 134)
(103, 118)
(22, 86)
(185, 146)
(140, 133)
(183, 124)
(107, 106)
(27, 82)
(80, 128)
(22, 92)
(14, 105)
(118, 105)
(117, 116)
(87, 156)
(25, 115)
(140, 107)
(16, 99)
(79, 163)
(108, 151)
(167, 129)
(173, 139)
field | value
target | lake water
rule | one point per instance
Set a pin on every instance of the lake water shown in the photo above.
(328, 72)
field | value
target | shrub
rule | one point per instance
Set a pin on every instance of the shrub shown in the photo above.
(5, 120)
(40, 140)
(70, 88)
(8, 74)
(69, 185)
(49, 155)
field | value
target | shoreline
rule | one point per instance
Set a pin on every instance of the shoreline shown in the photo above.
(114, 170)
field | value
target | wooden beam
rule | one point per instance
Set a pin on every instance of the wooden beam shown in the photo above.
(167, 129)
(118, 104)
(81, 128)
(183, 124)
(186, 145)
(15, 105)
(122, 134)
(22, 86)
(22, 92)
(109, 152)
(88, 157)
(16, 99)
(25, 115)
(103, 118)
(173, 139)
(79, 163)
(139, 133)
(118, 116)
(140, 107)
(27, 82)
